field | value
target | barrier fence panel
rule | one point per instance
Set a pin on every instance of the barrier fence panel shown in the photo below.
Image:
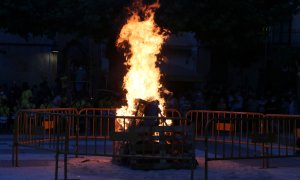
(201, 117)
(286, 129)
(38, 128)
(261, 137)
(95, 127)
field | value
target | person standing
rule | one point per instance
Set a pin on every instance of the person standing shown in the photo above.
(26, 97)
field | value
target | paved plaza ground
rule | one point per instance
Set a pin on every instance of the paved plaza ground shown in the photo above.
(37, 164)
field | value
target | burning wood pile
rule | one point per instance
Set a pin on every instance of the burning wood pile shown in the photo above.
(150, 142)
(143, 137)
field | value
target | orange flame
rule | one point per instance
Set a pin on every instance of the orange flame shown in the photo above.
(145, 40)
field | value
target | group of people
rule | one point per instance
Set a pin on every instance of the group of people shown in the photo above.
(15, 97)
(219, 98)
(24, 96)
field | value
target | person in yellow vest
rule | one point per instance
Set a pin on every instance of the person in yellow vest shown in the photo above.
(26, 97)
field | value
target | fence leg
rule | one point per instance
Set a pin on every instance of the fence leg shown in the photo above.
(192, 170)
(15, 149)
(57, 150)
(265, 159)
(77, 137)
(194, 161)
(56, 162)
(206, 153)
(13, 152)
(205, 164)
(17, 154)
(66, 149)
(14, 155)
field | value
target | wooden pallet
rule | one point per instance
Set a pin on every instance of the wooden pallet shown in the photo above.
(157, 147)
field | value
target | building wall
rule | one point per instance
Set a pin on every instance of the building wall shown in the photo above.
(296, 22)
(295, 30)
(186, 59)
(26, 60)
(83, 52)
(32, 61)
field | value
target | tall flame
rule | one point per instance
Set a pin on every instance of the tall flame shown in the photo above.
(145, 40)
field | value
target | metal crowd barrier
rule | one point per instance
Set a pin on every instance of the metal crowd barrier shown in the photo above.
(226, 135)
(38, 128)
(251, 137)
(202, 117)
(88, 131)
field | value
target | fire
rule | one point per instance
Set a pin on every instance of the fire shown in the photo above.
(145, 40)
